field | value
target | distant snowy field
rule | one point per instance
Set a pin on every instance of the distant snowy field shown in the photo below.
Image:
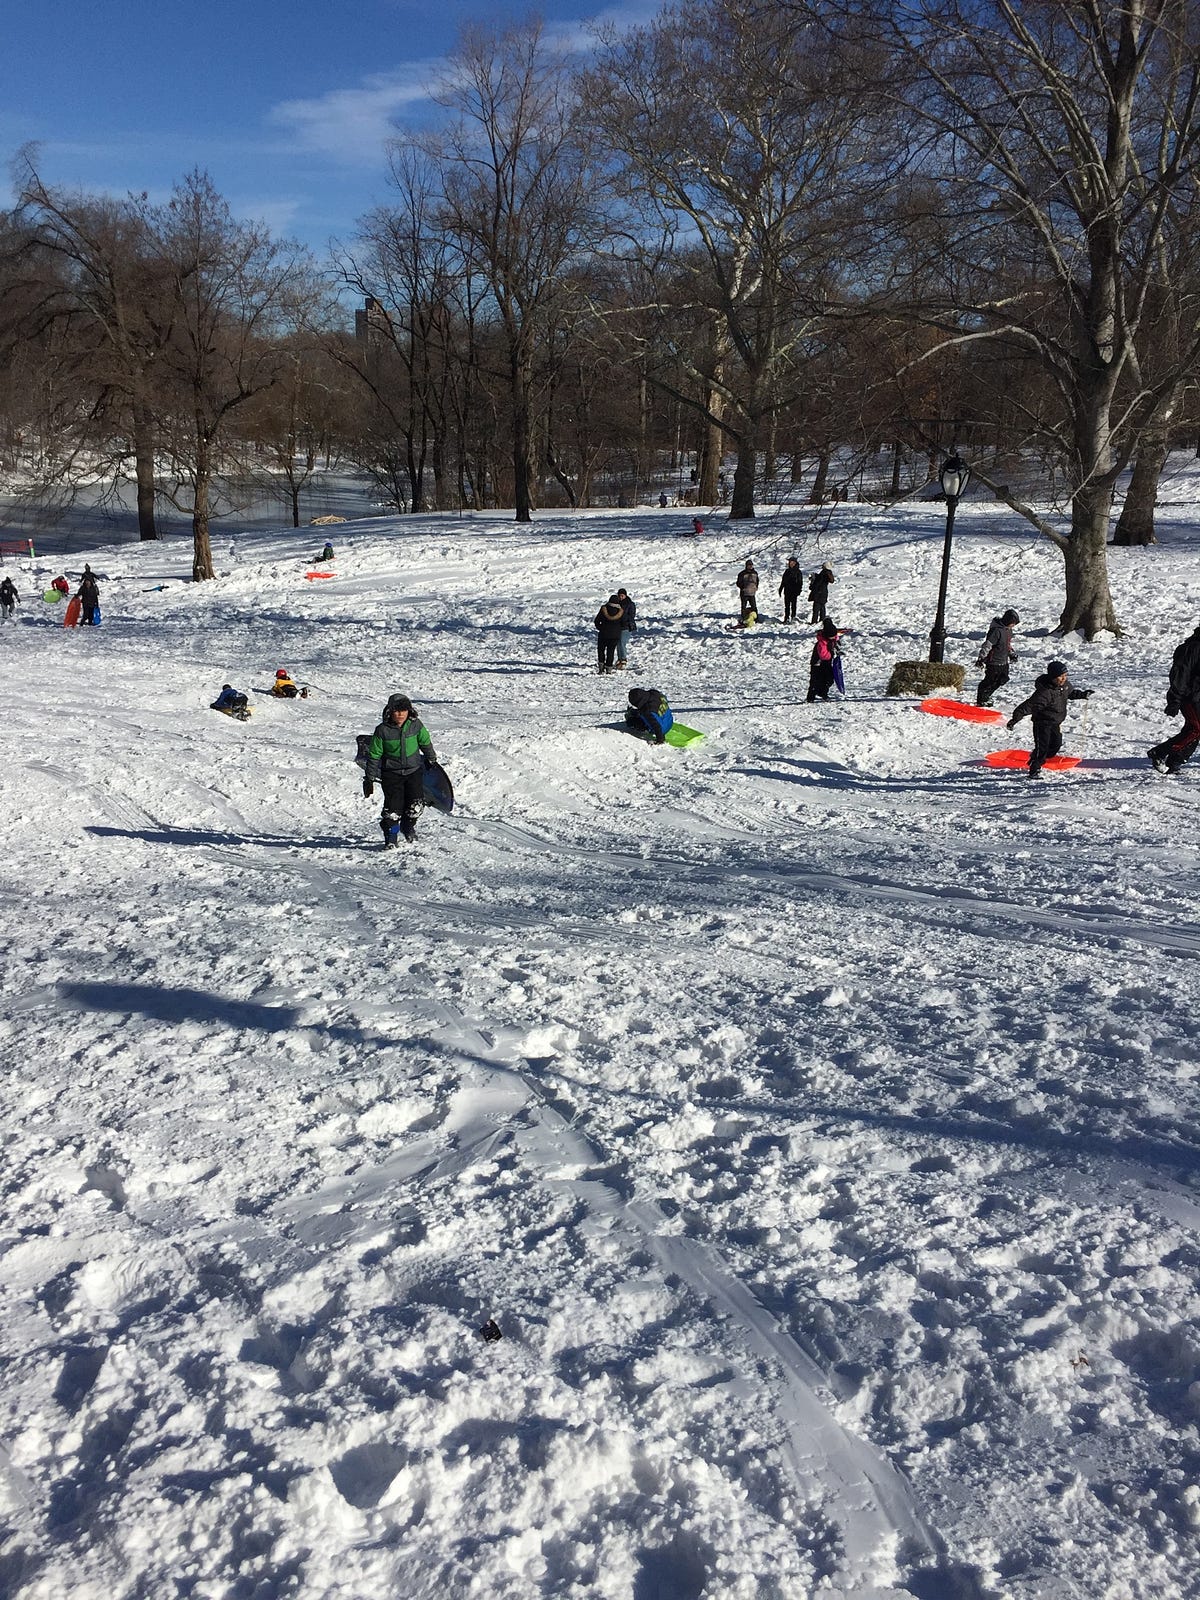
(816, 1111)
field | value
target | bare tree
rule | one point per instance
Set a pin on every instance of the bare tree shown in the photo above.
(1063, 139)
(233, 290)
(740, 136)
(517, 199)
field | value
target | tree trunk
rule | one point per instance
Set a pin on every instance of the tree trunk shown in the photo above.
(202, 562)
(143, 453)
(896, 469)
(742, 505)
(771, 464)
(522, 443)
(1136, 522)
(1089, 607)
(797, 460)
(295, 505)
(816, 494)
(708, 488)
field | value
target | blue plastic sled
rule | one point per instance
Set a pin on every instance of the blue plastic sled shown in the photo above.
(838, 675)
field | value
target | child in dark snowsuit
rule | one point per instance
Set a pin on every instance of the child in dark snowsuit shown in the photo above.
(399, 751)
(88, 595)
(8, 599)
(232, 703)
(995, 653)
(1183, 695)
(610, 623)
(747, 582)
(1048, 707)
(818, 592)
(821, 663)
(790, 585)
(648, 711)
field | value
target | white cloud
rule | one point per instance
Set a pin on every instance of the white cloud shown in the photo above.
(353, 124)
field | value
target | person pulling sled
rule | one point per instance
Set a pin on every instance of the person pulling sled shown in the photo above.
(399, 751)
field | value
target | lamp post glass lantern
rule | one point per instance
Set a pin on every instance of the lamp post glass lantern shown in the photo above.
(953, 477)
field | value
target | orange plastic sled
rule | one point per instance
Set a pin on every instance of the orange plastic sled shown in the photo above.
(320, 574)
(960, 710)
(1020, 759)
(73, 613)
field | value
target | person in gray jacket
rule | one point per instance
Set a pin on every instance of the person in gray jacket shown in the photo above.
(1047, 705)
(995, 653)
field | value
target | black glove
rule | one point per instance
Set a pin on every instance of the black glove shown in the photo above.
(428, 759)
(1085, 694)
(1172, 707)
(1010, 725)
(368, 788)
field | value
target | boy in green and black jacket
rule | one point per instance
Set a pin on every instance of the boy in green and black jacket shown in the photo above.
(397, 756)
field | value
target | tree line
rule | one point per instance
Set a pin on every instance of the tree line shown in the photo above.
(798, 232)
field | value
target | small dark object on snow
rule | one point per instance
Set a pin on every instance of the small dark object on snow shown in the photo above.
(490, 1331)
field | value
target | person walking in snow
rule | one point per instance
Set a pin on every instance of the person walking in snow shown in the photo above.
(9, 599)
(790, 587)
(1047, 705)
(399, 751)
(995, 654)
(648, 712)
(821, 666)
(818, 592)
(747, 582)
(88, 595)
(1183, 695)
(609, 621)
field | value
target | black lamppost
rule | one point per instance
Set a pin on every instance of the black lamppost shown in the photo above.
(954, 476)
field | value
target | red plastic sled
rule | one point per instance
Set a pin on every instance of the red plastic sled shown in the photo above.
(960, 710)
(1020, 758)
(320, 574)
(73, 613)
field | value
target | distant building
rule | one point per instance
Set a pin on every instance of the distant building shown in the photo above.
(372, 324)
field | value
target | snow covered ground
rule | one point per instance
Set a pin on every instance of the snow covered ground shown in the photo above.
(815, 1110)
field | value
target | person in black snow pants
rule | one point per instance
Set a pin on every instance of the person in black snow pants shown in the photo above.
(8, 599)
(1048, 707)
(610, 621)
(1183, 695)
(790, 585)
(747, 582)
(399, 751)
(88, 595)
(818, 592)
(995, 654)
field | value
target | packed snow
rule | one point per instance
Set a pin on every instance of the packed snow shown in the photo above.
(814, 1110)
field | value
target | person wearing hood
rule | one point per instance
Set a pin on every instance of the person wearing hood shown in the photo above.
(818, 592)
(628, 626)
(9, 599)
(747, 582)
(399, 751)
(995, 654)
(610, 623)
(88, 595)
(821, 663)
(790, 586)
(1047, 705)
(1183, 695)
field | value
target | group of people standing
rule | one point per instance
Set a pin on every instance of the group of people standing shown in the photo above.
(616, 622)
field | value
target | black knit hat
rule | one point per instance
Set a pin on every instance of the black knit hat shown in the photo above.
(1056, 669)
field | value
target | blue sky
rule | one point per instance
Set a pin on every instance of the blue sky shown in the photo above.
(286, 105)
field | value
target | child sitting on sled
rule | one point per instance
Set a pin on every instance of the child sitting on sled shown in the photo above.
(648, 712)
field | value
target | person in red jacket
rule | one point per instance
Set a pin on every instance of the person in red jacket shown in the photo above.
(821, 668)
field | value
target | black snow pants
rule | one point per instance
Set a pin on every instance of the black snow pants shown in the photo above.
(820, 680)
(606, 650)
(994, 677)
(1047, 742)
(1179, 749)
(403, 800)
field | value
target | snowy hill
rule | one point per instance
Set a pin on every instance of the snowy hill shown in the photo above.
(815, 1110)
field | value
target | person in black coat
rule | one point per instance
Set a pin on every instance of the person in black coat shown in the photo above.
(88, 595)
(610, 620)
(790, 586)
(628, 626)
(1047, 705)
(1183, 695)
(9, 598)
(818, 592)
